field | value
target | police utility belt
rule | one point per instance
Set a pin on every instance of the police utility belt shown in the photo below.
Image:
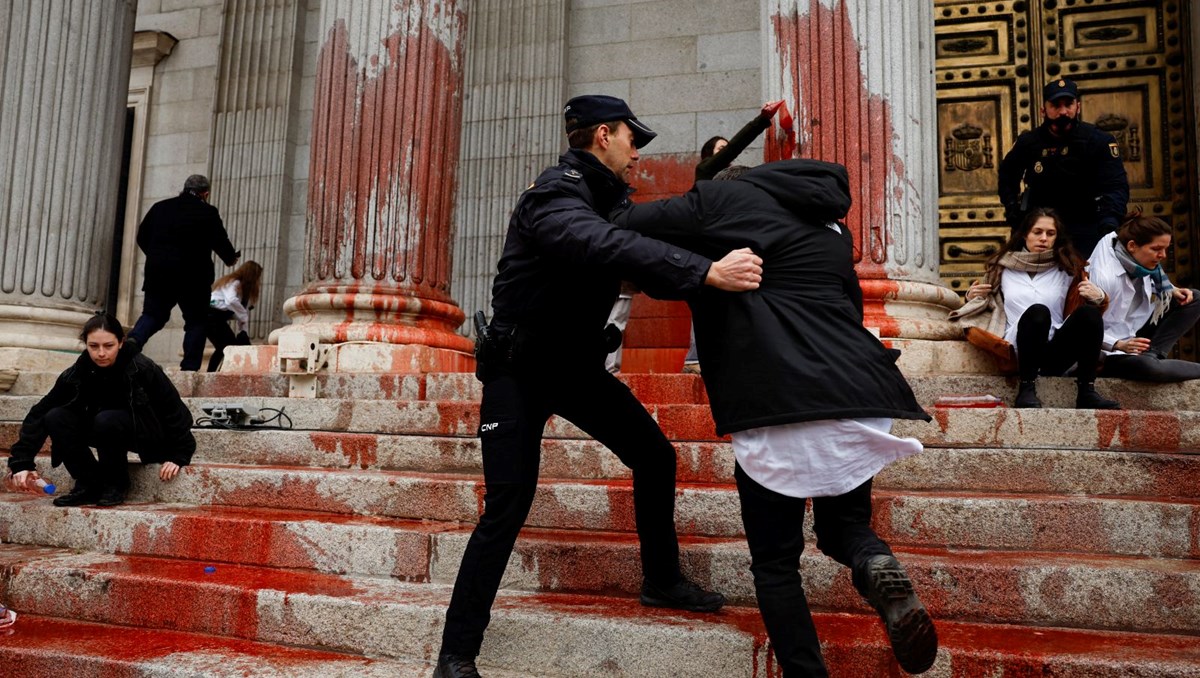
(501, 349)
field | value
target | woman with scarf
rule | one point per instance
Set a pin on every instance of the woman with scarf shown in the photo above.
(1146, 314)
(1038, 291)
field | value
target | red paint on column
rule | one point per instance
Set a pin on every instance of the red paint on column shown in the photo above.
(385, 146)
(841, 121)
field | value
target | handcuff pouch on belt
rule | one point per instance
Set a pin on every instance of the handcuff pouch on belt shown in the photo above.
(493, 349)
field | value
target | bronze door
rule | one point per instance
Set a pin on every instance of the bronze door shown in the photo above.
(1130, 59)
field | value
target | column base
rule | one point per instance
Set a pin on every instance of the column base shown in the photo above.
(902, 309)
(356, 358)
(42, 328)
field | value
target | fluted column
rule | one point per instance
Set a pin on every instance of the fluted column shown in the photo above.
(858, 74)
(383, 175)
(63, 84)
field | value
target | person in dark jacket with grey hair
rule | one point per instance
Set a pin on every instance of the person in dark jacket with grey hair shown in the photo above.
(114, 400)
(179, 236)
(806, 392)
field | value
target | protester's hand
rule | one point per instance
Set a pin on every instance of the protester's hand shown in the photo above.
(979, 290)
(1091, 292)
(1133, 345)
(738, 271)
(1183, 295)
(770, 108)
(168, 471)
(25, 481)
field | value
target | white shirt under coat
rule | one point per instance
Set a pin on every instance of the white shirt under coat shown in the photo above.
(1021, 291)
(1130, 300)
(823, 458)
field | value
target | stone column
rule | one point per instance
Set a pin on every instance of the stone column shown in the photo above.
(385, 146)
(63, 84)
(858, 76)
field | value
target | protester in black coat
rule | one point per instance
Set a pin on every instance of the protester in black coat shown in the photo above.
(114, 400)
(179, 236)
(807, 393)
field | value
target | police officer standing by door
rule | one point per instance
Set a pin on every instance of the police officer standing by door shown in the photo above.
(1069, 166)
(543, 354)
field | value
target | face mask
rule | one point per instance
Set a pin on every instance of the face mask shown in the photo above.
(1062, 124)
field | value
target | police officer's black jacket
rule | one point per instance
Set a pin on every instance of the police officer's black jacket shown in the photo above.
(162, 422)
(1080, 176)
(563, 262)
(179, 236)
(795, 349)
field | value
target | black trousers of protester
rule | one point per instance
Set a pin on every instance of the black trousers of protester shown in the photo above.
(774, 525)
(513, 414)
(1153, 365)
(111, 432)
(156, 311)
(1077, 342)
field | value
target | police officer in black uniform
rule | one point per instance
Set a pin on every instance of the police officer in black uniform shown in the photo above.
(543, 354)
(1069, 166)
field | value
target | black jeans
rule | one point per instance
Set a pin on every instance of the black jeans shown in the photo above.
(1077, 342)
(1152, 365)
(774, 525)
(512, 417)
(111, 432)
(156, 311)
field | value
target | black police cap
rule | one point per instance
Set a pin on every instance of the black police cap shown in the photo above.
(592, 109)
(1057, 89)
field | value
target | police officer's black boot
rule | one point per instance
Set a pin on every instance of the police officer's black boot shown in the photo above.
(1027, 395)
(1088, 399)
(455, 666)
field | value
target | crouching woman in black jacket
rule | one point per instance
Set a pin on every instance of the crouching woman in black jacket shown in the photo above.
(113, 400)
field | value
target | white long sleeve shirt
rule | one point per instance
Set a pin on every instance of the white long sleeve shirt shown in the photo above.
(1130, 300)
(228, 298)
(1021, 291)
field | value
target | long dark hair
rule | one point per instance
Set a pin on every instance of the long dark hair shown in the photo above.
(102, 321)
(1065, 254)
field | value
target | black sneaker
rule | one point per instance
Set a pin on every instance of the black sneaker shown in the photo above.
(909, 627)
(111, 496)
(455, 666)
(682, 595)
(78, 496)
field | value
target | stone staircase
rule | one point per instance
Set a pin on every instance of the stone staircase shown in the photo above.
(1045, 543)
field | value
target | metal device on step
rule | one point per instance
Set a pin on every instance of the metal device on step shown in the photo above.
(231, 415)
(301, 357)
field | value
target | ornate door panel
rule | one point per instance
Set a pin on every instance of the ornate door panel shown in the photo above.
(1130, 59)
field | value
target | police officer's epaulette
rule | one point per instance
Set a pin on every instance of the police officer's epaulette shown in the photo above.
(570, 175)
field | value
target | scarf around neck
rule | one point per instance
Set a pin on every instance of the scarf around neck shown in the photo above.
(1024, 261)
(1162, 285)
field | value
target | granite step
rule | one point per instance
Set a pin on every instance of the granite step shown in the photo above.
(47, 647)
(532, 634)
(1001, 521)
(1056, 392)
(1068, 590)
(1133, 430)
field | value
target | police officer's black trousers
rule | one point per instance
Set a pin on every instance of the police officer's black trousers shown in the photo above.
(774, 525)
(111, 432)
(512, 417)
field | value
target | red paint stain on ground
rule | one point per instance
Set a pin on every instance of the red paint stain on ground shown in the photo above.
(1144, 430)
(359, 450)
